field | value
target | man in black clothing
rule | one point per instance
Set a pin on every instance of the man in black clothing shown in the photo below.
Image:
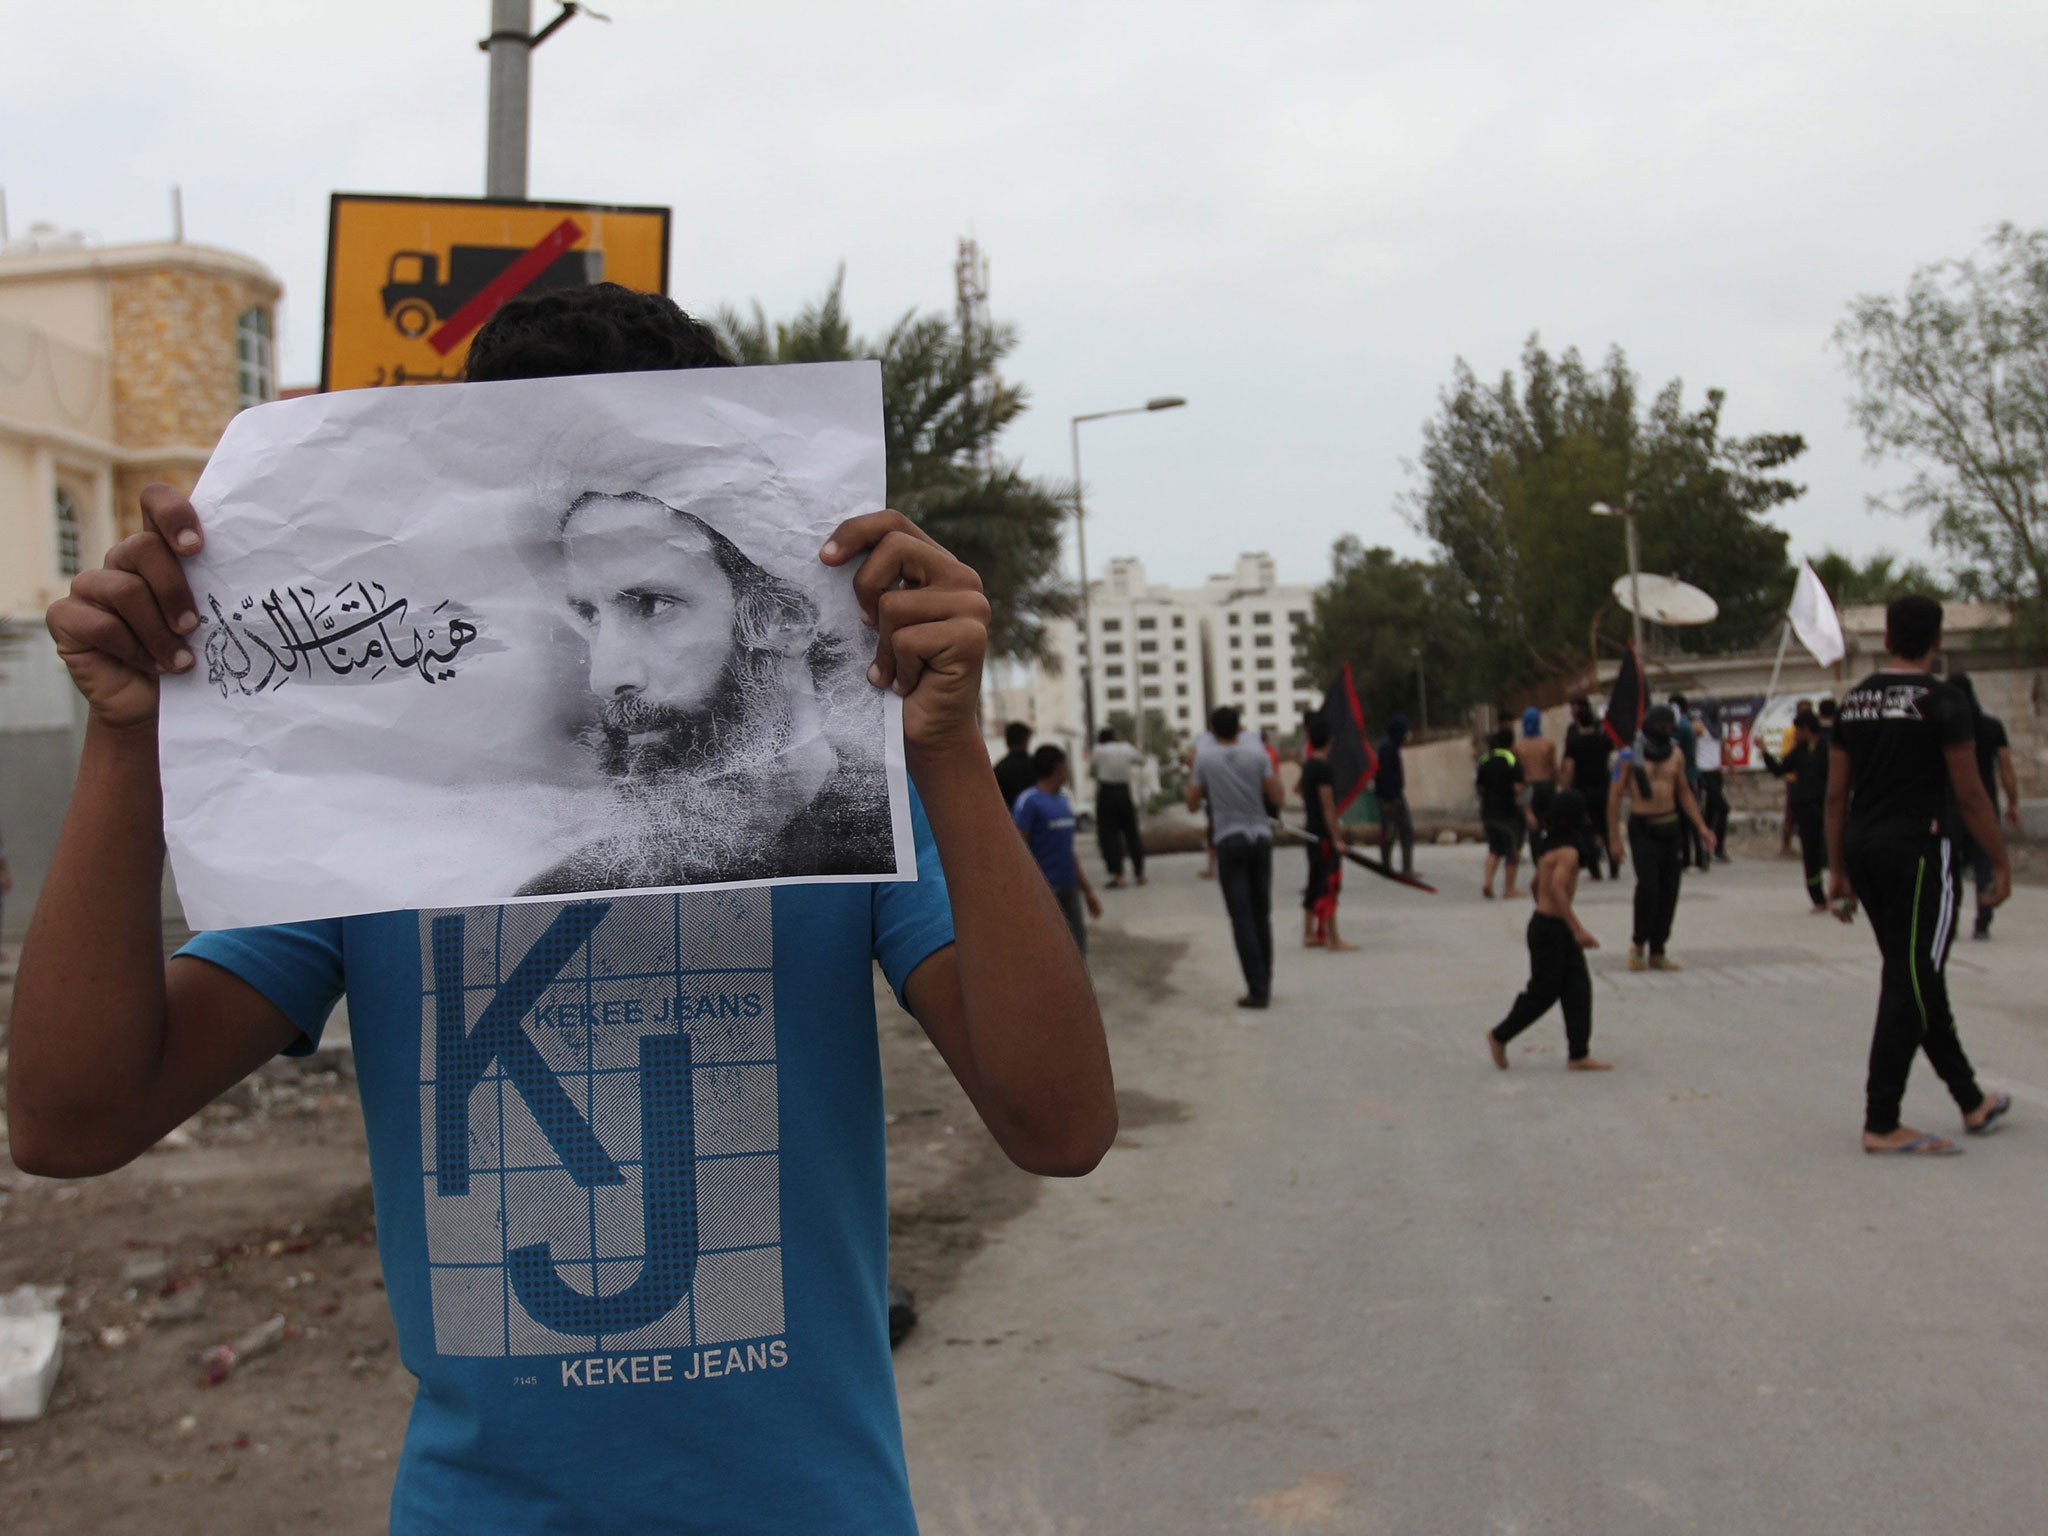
(1014, 772)
(1904, 743)
(1994, 766)
(1806, 770)
(1586, 754)
(1660, 806)
(1499, 782)
(1390, 788)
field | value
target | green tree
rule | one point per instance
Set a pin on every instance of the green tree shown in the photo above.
(1878, 579)
(1509, 472)
(944, 406)
(1401, 625)
(1952, 378)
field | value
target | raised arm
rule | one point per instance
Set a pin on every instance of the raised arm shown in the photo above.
(1008, 1003)
(110, 1049)
(2010, 783)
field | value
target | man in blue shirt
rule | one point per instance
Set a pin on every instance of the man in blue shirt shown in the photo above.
(1046, 819)
(627, 1152)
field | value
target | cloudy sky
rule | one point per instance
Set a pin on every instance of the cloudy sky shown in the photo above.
(1295, 214)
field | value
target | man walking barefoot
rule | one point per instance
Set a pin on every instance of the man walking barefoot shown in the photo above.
(1904, 743)
(1558, 942)
(1325, 858)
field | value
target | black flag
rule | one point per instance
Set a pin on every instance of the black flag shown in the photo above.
(1629, 702)
(1352, 759)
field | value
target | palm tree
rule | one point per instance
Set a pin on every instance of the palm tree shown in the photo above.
(944, 405)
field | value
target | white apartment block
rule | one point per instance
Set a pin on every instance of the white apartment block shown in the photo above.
(1253, 626)
(1180, 651)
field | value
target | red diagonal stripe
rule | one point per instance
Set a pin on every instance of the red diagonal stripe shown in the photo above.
(456, 329)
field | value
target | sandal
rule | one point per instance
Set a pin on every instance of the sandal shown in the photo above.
(2001, 1105)
(1920, 1146)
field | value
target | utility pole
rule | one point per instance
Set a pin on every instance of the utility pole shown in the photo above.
(510, 47)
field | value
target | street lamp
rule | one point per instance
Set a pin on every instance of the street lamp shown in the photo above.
(1627, 513)
(1157, 403)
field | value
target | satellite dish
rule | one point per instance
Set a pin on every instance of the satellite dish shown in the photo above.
(1667, 600)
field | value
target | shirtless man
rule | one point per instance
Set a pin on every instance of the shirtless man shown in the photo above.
(1655, 788)
(1557, 943)
(1538, 757)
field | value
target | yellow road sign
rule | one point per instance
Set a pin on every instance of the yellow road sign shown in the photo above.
(409, 279)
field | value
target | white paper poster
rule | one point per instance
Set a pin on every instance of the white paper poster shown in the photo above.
(533, 639)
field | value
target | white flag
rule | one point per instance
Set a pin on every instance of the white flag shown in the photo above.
(1813, 619)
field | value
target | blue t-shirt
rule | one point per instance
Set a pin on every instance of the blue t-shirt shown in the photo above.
(631, 1209)
(1047, 822)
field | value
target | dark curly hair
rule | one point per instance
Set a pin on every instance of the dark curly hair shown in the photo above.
(599, 328)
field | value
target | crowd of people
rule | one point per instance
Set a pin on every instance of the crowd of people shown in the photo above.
(1891, 795)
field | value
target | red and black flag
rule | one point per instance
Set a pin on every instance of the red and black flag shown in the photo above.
(1629, 702)
(1352, 759)
(1353, 765)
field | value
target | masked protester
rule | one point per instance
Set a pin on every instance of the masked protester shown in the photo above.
(1587, 752)
(1660, 807)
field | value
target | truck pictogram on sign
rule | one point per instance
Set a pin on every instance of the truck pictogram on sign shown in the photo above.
(416, 296)
(410, 280)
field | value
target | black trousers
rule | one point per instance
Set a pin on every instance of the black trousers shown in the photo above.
(1244, 869)
(1069, 898)
(1714, 808)
(1397, 826)
(1557, 974)
(1811, 823)
(1116, 825)
(1658, 847)
(1912, 892)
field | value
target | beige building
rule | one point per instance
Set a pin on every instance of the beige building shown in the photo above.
(119, 365)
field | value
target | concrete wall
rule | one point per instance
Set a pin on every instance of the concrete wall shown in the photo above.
(40, 716)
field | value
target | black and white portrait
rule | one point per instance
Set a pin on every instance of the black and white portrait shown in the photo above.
(534, 639)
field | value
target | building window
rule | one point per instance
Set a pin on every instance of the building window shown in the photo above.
(255, 357)
(1148, 623)
(1151, 690)
(1264, 642)
(1112, 647)
(1234, 616)
(1176, 623)
(1111, 626)
(1262, 618)
(1148, 668)
(1234, 641)
(1237, 663)
(1114, 669)
(70, 558)
(1181, 668)
(1297, 618)
(1265, 685)
(1263, 663)
(1180, 691)
(1114, 695)
(1148, 647)
(1179, 645)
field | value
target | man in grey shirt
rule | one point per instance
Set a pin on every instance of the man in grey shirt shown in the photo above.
(1236, 778)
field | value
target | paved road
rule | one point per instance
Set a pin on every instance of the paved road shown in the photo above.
(1349, 1277)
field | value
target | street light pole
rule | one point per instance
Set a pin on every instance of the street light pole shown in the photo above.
(1627, 513)
(1159, 403)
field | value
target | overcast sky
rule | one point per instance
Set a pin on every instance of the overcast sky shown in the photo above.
(1296, 215)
